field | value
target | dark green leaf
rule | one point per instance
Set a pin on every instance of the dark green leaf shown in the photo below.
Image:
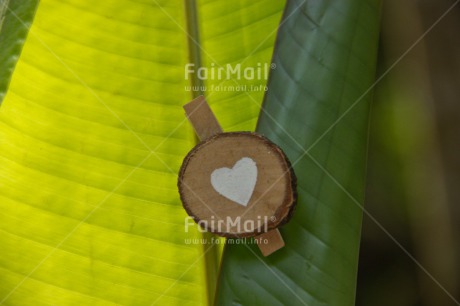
(13, 13)
(317, 110)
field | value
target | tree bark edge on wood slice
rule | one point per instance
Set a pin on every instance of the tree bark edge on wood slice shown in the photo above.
(273, 197)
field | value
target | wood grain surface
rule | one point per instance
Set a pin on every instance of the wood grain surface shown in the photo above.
(273, 198)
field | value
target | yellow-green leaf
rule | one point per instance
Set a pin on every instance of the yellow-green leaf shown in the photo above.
(92, 134)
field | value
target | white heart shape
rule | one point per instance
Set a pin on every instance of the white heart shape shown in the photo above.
(236, 184)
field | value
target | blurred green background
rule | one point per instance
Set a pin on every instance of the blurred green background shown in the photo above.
(413, 187)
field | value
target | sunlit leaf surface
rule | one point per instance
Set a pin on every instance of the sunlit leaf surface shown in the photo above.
(92, 134)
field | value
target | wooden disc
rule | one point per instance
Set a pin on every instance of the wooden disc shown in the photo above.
(237, 185)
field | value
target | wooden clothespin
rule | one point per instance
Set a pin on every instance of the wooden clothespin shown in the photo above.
(236, 184)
